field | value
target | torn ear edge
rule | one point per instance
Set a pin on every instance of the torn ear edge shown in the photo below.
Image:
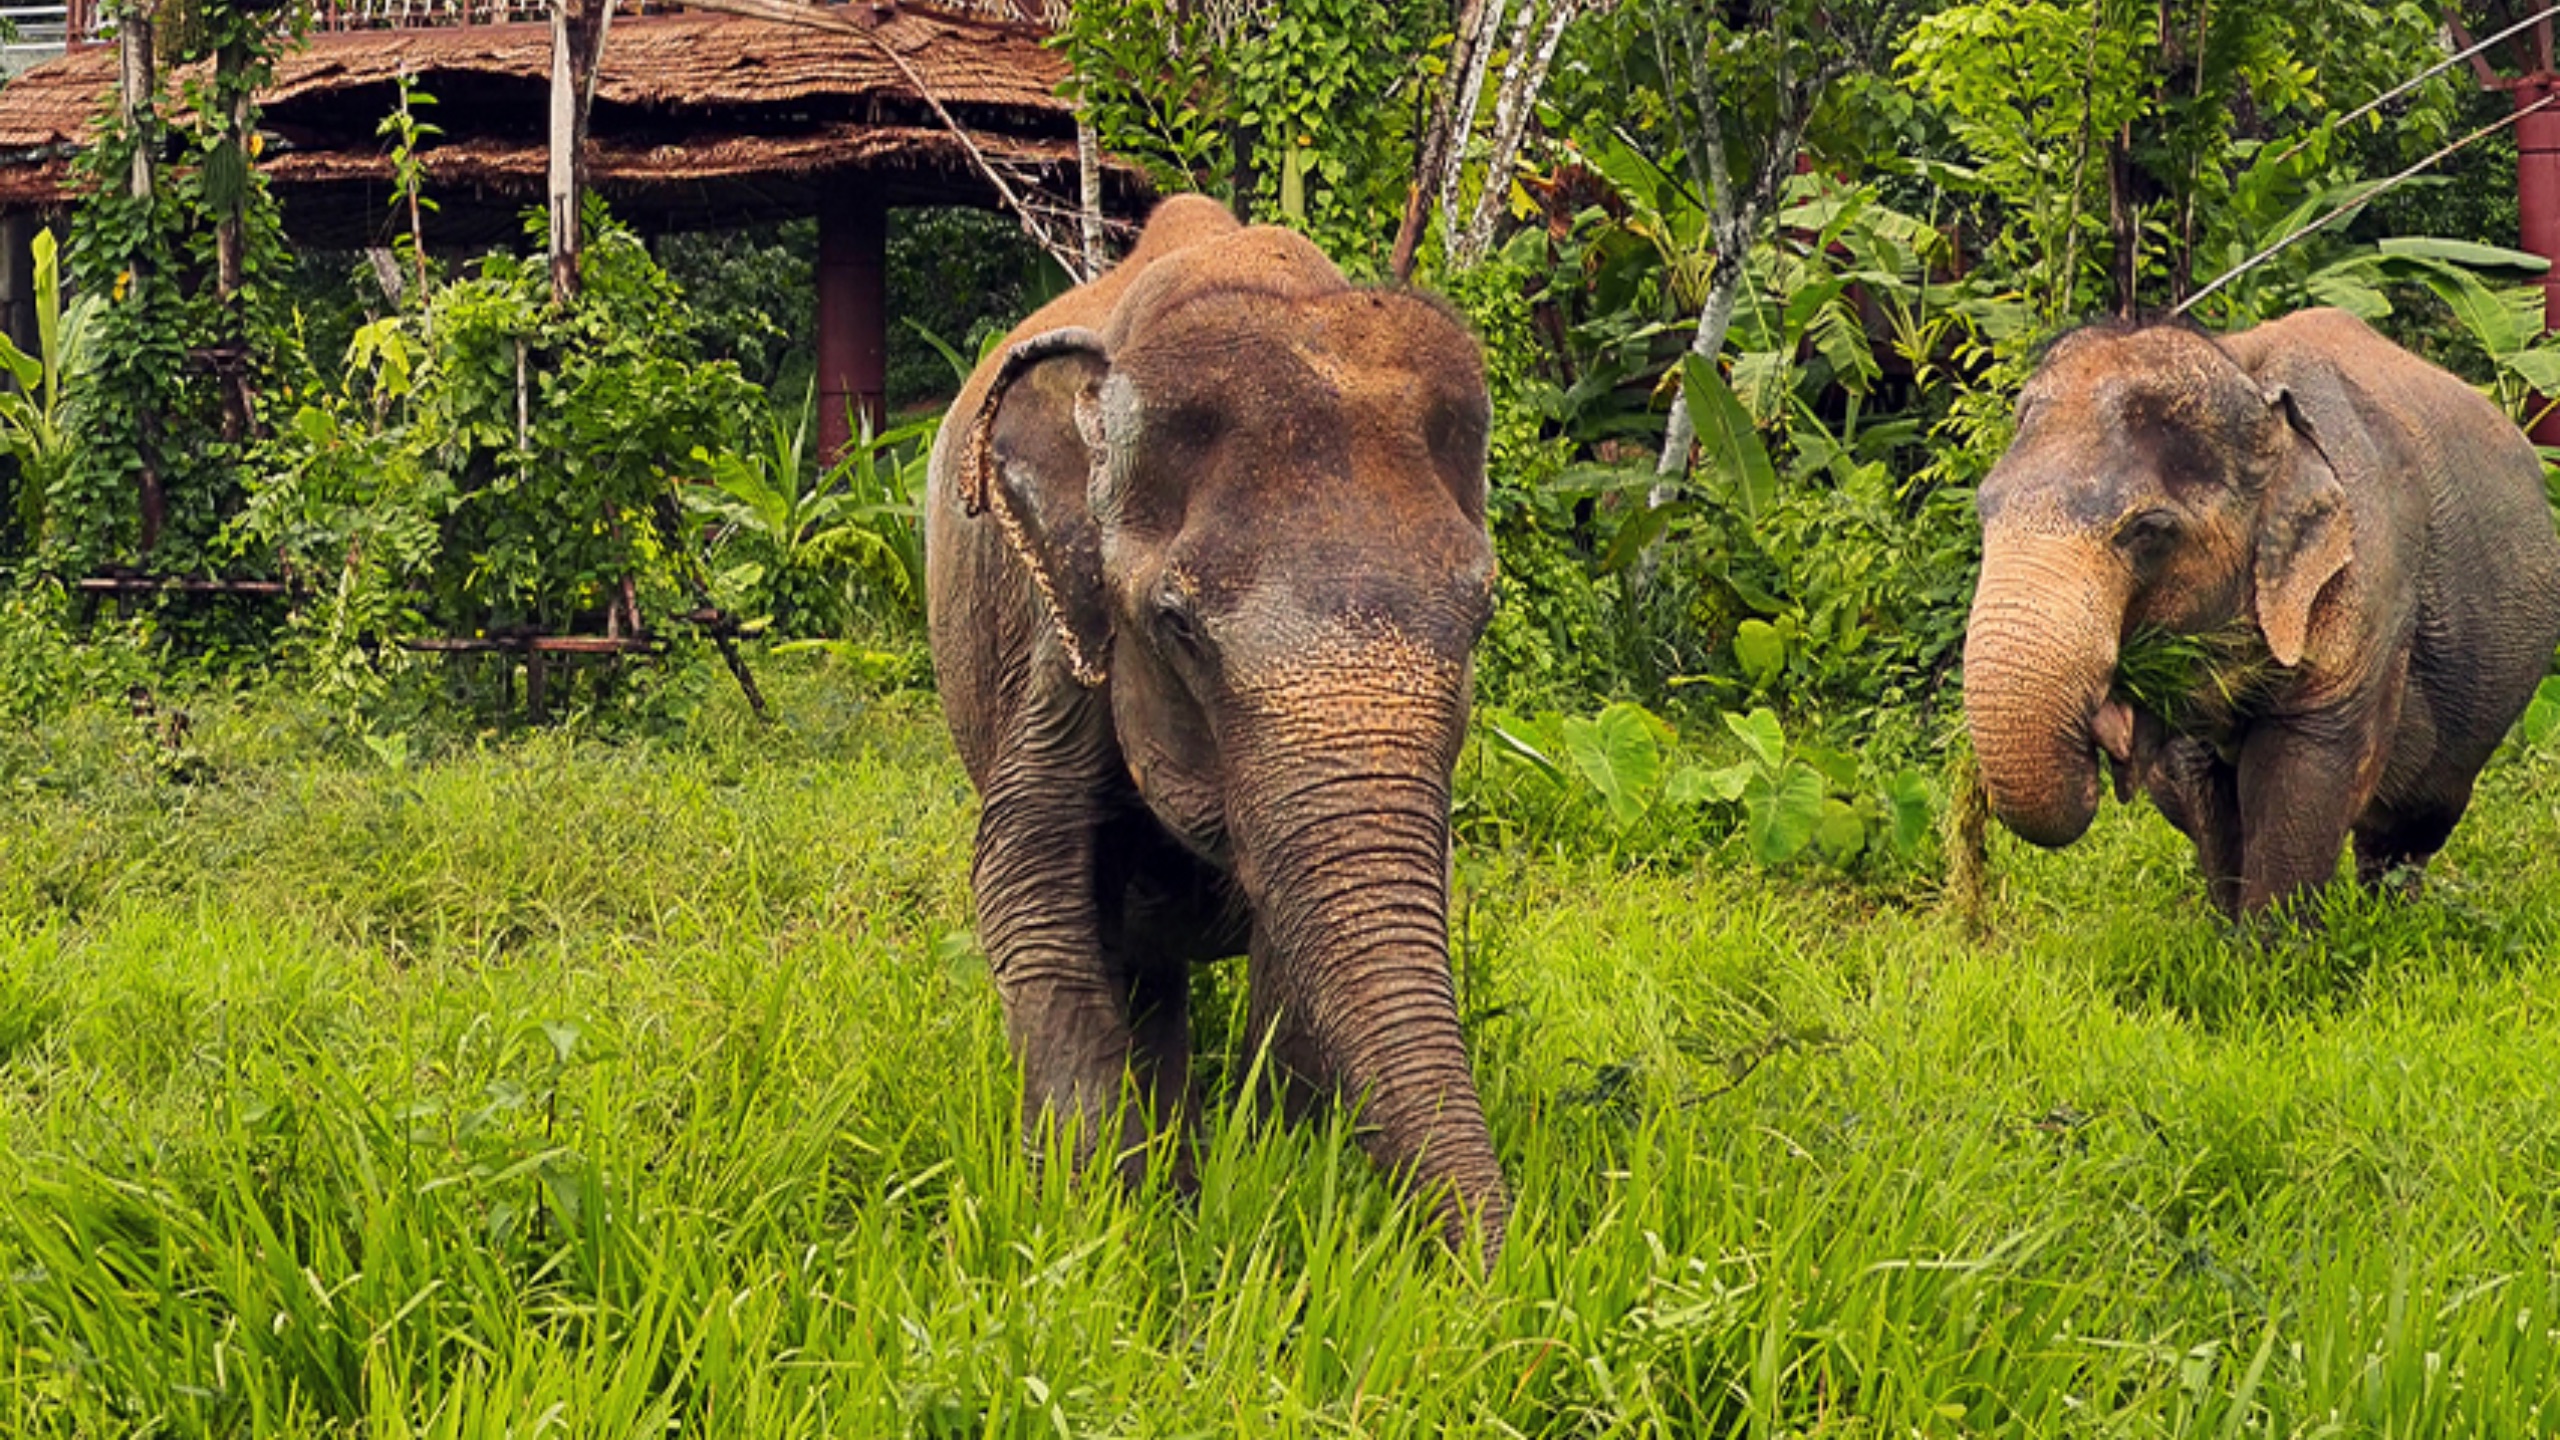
(1056, 549)
(2306, 535)
(977, 461)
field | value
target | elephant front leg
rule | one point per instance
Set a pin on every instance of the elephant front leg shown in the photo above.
(2300, 790)
(2199, 796)
(1067, 1007)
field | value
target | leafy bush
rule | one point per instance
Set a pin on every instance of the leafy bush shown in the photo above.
(45, 667)
(35, 430)
(1624, 777)
(804, 552)
(487, 461)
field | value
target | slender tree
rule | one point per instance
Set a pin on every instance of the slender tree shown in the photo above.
(1749, 77)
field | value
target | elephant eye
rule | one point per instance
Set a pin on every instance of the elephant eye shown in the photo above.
(1179, 627)
(2146, 534)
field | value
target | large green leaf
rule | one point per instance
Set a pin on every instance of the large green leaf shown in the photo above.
(1781, 809)
(1907, 795)
(2470, 254)
(1761, 733)
(1761, 650)
(2538, 367)
(1729, 446)
(1696, 784)
(24, 368)
(1841, 832)
(2501, 324)
(1618, 753)
(2349, 286)
(1508, 744)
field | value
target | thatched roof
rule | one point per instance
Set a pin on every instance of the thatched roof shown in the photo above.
(699, 119)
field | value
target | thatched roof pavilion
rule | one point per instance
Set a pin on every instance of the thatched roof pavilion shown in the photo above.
(700, 121)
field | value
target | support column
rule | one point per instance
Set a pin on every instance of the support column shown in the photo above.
(18, 280)
(2538, 202)
(853, 320)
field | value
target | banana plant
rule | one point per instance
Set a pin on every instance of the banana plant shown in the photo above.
(806, 548)
(32, 429)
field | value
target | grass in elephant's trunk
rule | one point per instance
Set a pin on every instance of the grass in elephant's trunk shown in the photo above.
(2199, 684)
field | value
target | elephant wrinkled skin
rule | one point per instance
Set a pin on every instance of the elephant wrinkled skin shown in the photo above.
(1207, 559)
(2372, 522)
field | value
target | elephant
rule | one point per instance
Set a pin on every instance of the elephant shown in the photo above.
(2371, 528)
(1206, 563)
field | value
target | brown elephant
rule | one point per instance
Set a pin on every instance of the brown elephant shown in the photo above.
(2373, 527)
(1207, 560)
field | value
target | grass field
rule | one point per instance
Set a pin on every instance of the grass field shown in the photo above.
(544, 1086)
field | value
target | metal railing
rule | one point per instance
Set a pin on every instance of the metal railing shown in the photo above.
(35, 30)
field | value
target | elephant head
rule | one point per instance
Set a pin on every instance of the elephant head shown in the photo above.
(1253, 499)
(2153, 482)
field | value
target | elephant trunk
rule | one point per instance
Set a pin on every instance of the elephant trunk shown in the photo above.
(2039, 659)
(1345, 853)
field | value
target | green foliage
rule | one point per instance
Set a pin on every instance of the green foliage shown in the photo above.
(488, 462)
(1552, 640)
(1780, 799)
(155, 397)
(35, 431)
(1300, 112)
(351, 1096)
(47, 667)
(409, 136)
(2541, 721)
(805, 550)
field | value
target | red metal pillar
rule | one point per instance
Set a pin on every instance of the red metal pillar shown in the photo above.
(2538, 200)
(853, 320)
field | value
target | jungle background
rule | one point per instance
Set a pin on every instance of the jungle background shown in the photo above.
(383, 1053)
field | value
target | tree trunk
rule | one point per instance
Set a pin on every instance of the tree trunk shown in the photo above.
(137, 85)
(1514, 105)
(1462, 121)
(1089, 194)
(231, 254)
(577, 45)
(1715, 319)
(1433, 158)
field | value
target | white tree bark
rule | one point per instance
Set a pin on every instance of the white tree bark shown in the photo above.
(1462, 121)
(1089, 194)
(1715, 319)
(561, 190)
(1514, 105)
(137, 84)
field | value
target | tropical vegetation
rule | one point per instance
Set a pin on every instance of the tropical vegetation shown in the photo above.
(393, 1044)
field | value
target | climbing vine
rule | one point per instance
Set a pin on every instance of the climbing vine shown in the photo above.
(190, 325)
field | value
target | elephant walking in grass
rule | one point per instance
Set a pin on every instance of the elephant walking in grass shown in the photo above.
(2351, 548)
(1207, 559)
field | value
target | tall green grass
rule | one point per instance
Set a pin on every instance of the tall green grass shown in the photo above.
(550, 1086)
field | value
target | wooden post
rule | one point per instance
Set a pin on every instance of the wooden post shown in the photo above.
(577, 57)
(853, 321)
(568, 145)
(231, 251)
(137, 94)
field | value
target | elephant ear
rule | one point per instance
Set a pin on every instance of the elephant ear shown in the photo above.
(1031, 451)
(2306, 534)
